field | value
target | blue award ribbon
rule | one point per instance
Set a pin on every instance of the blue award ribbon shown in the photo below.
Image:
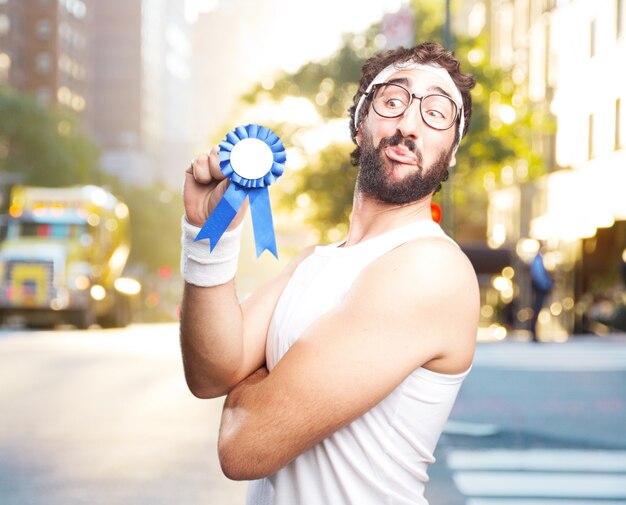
(252, 157)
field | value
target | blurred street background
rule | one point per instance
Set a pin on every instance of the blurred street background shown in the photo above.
(103, 104)
(104, 417)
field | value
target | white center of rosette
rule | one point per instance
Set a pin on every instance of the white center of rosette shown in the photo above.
(251, 158)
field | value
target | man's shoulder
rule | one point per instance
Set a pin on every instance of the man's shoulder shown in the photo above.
(433, 268)
(435, 258)
(427, 291)
(297, 259)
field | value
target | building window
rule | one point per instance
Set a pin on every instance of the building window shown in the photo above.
(5, 67)
(44, 29)
(592, 39)
(547, 72)
(43, 63)
(5, 24)
(77, 8)
(618, 124)
(44, 95)
(590, 138)
(549, 5)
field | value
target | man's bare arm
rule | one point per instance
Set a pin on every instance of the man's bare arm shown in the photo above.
(222, 341)
(392, 321)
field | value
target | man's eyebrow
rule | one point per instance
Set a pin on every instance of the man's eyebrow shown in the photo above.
(399, 80)
(430, 89)
(441, 91)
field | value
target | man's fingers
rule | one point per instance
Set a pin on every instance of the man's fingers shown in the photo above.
(214, 164)
(200, 169)
(205, 168)
(204, 186)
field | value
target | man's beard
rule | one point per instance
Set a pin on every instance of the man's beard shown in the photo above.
(373, 181)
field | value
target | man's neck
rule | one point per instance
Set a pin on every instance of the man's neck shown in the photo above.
(371, 217)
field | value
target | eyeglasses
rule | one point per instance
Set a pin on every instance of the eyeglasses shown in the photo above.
(392, 100)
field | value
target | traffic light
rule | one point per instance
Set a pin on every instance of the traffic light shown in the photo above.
(165, 272)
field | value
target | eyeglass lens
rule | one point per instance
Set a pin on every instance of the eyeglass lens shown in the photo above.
(391, 100)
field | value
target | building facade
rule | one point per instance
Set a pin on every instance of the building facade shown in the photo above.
(122, 66)
(45, 50)
(141, 81)
(564, 56)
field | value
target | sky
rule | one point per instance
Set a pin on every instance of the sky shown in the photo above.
(244, 42)
(305, 30)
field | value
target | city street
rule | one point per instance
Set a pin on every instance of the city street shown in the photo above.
(537, 424)
(334, 123)
(104, 417)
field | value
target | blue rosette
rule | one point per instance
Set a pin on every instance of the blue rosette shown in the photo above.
(252, 157)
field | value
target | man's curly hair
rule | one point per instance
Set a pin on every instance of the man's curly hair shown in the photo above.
(426, 53)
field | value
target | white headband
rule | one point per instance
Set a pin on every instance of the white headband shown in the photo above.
(411, 65)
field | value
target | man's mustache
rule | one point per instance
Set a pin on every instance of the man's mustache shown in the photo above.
(398, 139)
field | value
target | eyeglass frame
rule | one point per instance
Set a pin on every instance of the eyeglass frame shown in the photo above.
(372, 92)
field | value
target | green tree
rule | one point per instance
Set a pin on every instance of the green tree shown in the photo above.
(155, 213)
(494, 144)
(327, 179)
(326, 183)
(44, 146)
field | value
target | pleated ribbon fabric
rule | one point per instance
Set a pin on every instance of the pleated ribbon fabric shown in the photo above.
(252, 157)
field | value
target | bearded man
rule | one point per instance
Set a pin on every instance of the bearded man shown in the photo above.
(342, 371)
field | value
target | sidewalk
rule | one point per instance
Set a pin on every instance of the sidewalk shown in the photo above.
(579, 353)
(498, 334)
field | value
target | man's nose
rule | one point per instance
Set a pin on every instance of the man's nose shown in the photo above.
(411, 121)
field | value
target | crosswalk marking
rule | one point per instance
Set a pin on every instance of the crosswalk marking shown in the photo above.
(537, 501)
(558, 485)
(539, 476)
(588, 356)
(539, 460)
(453, 427)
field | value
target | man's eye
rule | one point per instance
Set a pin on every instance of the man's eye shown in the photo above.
(394, 103)
(435, 113)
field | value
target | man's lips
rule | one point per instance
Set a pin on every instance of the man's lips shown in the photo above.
(401, 154)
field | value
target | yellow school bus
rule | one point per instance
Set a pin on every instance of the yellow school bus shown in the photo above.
(63, 257)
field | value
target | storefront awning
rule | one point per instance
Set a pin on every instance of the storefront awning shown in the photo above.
(486, 260)
(581, 201)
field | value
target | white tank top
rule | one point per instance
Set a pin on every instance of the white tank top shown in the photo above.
(382, 456)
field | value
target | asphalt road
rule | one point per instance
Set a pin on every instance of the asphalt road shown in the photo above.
(104, 417)
(537, 424)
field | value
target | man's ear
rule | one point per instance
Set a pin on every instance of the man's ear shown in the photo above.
(453, 159)
(358, 136)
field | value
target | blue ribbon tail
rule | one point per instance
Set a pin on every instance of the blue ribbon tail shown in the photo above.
(262, 221)
(227, 208)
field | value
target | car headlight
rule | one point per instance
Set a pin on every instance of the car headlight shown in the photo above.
(78, 275)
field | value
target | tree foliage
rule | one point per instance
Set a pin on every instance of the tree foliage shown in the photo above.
(155, 213)
(45, 147)
(326, 183)
(495, 149)
(492, 147)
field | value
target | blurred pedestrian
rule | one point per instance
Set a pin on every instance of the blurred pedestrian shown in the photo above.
(623, 267)
(367, 341)
(542, 285)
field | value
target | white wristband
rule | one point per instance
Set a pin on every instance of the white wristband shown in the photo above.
(203, 268)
